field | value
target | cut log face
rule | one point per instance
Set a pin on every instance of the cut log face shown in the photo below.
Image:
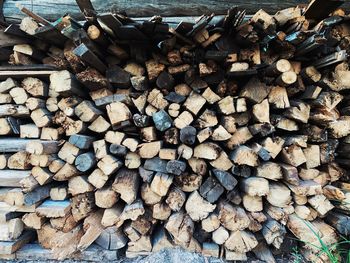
(197, 207)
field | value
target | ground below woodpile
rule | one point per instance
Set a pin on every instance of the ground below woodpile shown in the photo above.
(164, 256)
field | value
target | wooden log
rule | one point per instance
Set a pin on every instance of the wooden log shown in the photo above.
(197, 207)
(112, 216)
(11, 230)
(43, 176)
(79, 185)
(82, 205)
(62, 244)
(85, 161)
(40, 147)
(106, 197)
(241, 241)
(11, 178)
(339, 222)
(126, 184)
(112, 238)
(81, 141)
(68, 152)
(93, 228)
(161, 183)
(32, 220)
(59, 193)
(18, 198)
(13, 110)
(64, 172)
(64, 83)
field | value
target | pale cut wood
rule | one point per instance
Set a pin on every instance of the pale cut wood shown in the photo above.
(321, 204)
(42, 175)
(244, 155)
(29, 131)
(255, 186)
(232, 217)
(161, 183)
(261, 111)
(42, 160)
(64, 172)
(106, 197)
(79, 185)
(148, 196)
(93, 228)
(5, 128)
(109, 164)
(19, 161)
(32, 220)
(161, 211)
(100, 148)
(35, 87)
(293, 155)
(50, 134)
(306, 188)
(68, 152)
(99, 125)
(240, 136)
(97, 178)
(241, 241)
(19, 95)
(11, 230)
(133, 211)
(197, 207)
(64, 83)
(269, 170)
(211, 223)
(252, 203)
(61, 244)
(59, 193)
(3, 161)
(118, 112)
(126, 184)
(41, 117)
(86, 111)
(208, 151)
(113, 216)
(40, 147)
(301, 229)
(279, 195)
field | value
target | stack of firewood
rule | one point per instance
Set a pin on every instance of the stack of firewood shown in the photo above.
(223, 136)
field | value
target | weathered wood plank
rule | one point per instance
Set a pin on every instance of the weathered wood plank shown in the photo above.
(16, 144)
(138, 8)
(12, 178)
(9, 247)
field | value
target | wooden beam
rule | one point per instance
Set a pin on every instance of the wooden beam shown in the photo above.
(137, 8)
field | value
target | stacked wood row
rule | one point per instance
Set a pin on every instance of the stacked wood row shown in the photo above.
(223, 138)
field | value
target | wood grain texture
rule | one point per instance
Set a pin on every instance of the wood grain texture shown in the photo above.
(138, 8)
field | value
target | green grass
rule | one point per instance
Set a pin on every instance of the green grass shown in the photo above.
(336, 253)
